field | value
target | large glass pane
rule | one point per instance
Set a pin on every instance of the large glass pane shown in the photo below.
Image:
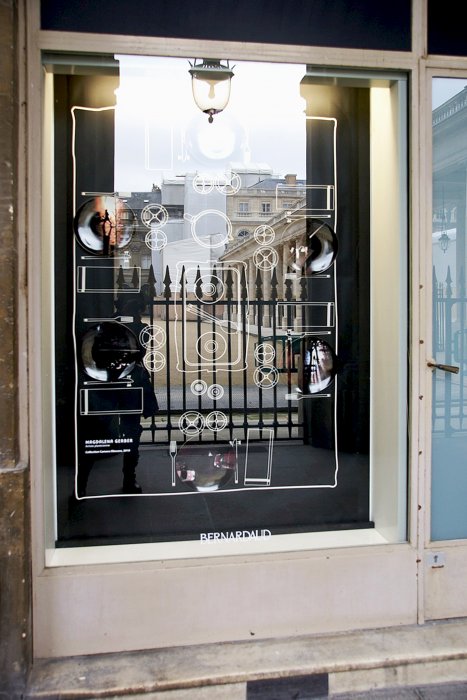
(220, 271)
(449, 426)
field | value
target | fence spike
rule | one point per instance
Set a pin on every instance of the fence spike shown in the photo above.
(152, 282)
(198, 284)
(449, 283)
(229, 284)
(214, 283)
(167, 283)
(259, 285)
(243, 285)
(274, 285)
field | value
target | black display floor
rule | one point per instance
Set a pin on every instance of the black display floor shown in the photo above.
(305, 493)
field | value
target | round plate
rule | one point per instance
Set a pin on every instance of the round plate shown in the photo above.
(322, 246)
(104, 224)
(206, 469)
(109, 351)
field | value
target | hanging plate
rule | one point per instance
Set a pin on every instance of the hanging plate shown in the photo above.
(104, 224)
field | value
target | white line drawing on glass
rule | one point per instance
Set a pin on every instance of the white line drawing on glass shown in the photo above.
(215, 392)
(154, 361)
(191, 423)
(229, 185)
(256, 479)
(211, 347)
(154, 216)
(265, 354)
(221, 229)
(203, 184)
(173, 457)
(100, 401)
(216, 421)
(265, 258)
(210, 291)
(265, 377)
(90, 279)
(318, 315)
(153, 336)
(300, 397)
(320, 200)
(264, 235)
(214, 333)
(155, 239)
(198, 387)
(119, 319)
(235, 443)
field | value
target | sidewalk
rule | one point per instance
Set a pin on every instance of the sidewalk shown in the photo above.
(419, 661)
(443, 691)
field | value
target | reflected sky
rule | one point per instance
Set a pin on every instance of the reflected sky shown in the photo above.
(161, 134)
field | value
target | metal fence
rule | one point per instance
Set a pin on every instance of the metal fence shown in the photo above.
(249, 356)
(449, 347)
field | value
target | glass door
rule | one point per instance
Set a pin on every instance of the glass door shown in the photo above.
(448, 240)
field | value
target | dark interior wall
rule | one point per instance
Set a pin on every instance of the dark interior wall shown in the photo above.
(94, 173)
(351, 108)
(362, 25)
(446, 30)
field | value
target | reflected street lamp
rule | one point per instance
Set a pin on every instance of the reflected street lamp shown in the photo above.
(211, 85)
(444, 241)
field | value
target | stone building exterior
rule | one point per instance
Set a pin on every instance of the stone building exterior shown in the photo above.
(400, 591)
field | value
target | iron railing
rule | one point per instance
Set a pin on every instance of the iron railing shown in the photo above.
(253, 355)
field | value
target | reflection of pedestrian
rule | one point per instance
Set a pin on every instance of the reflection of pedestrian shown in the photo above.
(110, 352)
(131, 429)
(130, 425)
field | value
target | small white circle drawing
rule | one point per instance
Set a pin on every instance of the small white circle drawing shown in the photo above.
(266, 377)
(229, 185)
(265, 354)
(152, 336)
(265, 258)
(211, 347)
(216, 420)
(203, 184)
(154, 361)
(191, 423)
(198, 387)
(264, 234)
(154, 215)
(215, 392)
(219, 231)
(155, 239)
(211, 290)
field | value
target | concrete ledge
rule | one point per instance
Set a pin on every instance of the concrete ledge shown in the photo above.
(354, 661)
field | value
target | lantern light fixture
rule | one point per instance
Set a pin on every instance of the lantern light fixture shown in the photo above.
(211, 85)
(444, 241)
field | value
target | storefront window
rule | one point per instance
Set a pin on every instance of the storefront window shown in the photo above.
(213, 382)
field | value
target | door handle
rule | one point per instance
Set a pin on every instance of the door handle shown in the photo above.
(446, 368)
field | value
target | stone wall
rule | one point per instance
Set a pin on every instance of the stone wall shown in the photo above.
(15, 624)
